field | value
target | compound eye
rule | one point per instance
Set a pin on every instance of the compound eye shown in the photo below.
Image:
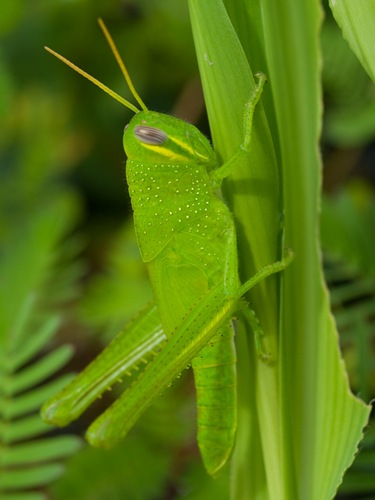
(150, 135)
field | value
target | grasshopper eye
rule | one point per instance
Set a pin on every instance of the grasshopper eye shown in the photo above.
(150, 135)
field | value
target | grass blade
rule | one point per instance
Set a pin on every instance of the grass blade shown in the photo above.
(309, 422)
(356, 19)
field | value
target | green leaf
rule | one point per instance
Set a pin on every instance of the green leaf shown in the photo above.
(228, 84)
(356, 19)
(23, 428)
(33, 399)
(27, 258)
(35, 343)
(26, 263)
(41, 450)
(37, 372)
(301, 406)
(29, 478)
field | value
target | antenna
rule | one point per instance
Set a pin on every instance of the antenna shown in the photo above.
(120, 62)
(101, 85)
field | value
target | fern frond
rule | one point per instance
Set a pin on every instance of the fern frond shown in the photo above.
(26, 461)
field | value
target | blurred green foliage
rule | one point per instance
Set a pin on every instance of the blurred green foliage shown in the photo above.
(347, 226)
(62, 137)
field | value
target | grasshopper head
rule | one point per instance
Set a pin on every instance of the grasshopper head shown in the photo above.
(158, 138)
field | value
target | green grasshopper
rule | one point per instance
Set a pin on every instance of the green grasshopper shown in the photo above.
(187, 239)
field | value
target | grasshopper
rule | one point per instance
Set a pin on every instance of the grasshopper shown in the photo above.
(187, 239)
